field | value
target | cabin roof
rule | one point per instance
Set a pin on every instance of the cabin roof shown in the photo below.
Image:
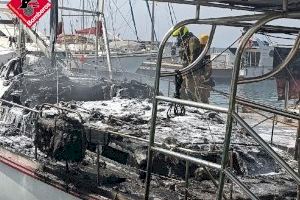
(254, 5)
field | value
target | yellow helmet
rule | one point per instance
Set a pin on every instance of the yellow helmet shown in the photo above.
(182, 31)
(203, 38)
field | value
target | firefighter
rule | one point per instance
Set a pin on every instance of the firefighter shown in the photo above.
(196, 82)
(205, 74)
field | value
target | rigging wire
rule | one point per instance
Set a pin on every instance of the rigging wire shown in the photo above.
(133, 20)
(170, 12)
(112, 22)
(150, 15)
(278, 37)
(118, 9)
(174, 15)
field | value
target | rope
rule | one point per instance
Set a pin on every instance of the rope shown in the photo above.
(179, 110)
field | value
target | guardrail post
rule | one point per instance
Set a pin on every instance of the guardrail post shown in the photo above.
(231, 168)
(98, 164)
(187, 174)
(297, 153)
(298, 158)
(35, 152)
(232, 101)
(273, 128)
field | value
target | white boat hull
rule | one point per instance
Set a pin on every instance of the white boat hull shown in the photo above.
(16, 185)
(122, 63)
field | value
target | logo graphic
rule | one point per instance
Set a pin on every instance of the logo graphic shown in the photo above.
(29, 11)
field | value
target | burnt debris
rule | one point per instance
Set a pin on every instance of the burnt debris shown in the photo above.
(61, 138)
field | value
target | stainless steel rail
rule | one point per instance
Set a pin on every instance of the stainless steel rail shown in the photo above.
(234, 84)
(187, 158)
(61, 108)
(157, 98)
(270, 151)
(233, 178)
(263, 20)
(211, 21)
(192, 104)
(19, 106)
(201, 56)
(233, 93)
(267, 108)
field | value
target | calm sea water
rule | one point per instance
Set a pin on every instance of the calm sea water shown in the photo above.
(263, 92)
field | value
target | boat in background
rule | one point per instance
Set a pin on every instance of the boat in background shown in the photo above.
(85, 52)
(258, 60)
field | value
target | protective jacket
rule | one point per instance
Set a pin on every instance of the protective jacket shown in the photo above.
(197, 83)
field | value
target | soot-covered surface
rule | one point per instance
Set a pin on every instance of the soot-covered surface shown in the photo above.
(126, 107)
(201, 131)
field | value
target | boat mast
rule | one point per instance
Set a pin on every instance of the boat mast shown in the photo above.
(153, 24)
(21, 43)
(97, 33)
(83, 15)
(105, 37)
(53, 30)
(198, 12)
(53, 37)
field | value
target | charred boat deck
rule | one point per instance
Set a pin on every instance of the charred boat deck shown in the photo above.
(216, 168)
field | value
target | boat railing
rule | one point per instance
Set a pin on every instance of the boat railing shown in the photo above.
(232, 115)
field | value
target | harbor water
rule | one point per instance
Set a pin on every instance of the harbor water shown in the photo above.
(264, 92)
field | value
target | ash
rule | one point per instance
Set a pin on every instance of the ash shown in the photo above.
(123, 160)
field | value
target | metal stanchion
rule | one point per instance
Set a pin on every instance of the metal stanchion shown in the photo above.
(35, 153)
(98, 164)
(169, 88)
(67, 167)
(296, 156)
(213, 180)
(273, 127)
(298, 152)
(231, 168)
(187, 174)
(232, 101)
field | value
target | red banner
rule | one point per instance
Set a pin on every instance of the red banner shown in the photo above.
(91, 31)
(29, 11)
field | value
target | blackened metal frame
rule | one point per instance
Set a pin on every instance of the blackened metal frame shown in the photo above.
(262, 20)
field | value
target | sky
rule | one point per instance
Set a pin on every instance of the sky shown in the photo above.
(119, 21)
